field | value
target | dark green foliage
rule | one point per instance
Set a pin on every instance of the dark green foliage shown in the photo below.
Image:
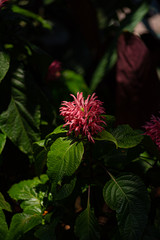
(55, 186)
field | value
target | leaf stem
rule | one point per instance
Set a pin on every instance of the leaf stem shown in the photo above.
(89, 194)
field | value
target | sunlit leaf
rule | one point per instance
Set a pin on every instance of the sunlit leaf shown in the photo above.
(26, 191)
(59, 131)
(22, 223)
(64, 158)
(106, 136)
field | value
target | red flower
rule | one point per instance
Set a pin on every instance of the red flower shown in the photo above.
(54, 71)
(153, 130)
(83, 116)
(1, 3)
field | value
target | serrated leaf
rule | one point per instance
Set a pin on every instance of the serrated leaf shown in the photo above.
(75, 82)
(126, 137)
(2, 141)
(86, 226)
(20, 122)
(64, 158)
(66, 190)
(3, 226)
(106, 136)
(4, 64)
(26, 192)
(22, 223)
(3, 204)
(128, 196)
(31, 208)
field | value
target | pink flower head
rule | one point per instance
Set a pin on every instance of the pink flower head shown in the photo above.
(54, 71)
(83, 116)
(153, 130)
(1, 3)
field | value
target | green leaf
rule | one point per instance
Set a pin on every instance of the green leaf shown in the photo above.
(59, 131)
(3, 226)
(128, 196)
(24, 190)
(75, 82)
(64, 158)
(32, 15)
(126, 137)
(104, 66)
(110, 57)
(86, 226)
(2, 141)
(22, 223)
(66, 189)
(135, 16)
(3, 204)
(4, 64)
(27, 192)
(20, 122)
(106, 136)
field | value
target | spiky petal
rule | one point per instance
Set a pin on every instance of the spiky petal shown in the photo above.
(2, 2)
(153, 130)
(83, 116)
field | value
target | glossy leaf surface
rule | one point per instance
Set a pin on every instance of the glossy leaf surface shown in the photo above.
(64, 158)
(22, 223)
(20, 122)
